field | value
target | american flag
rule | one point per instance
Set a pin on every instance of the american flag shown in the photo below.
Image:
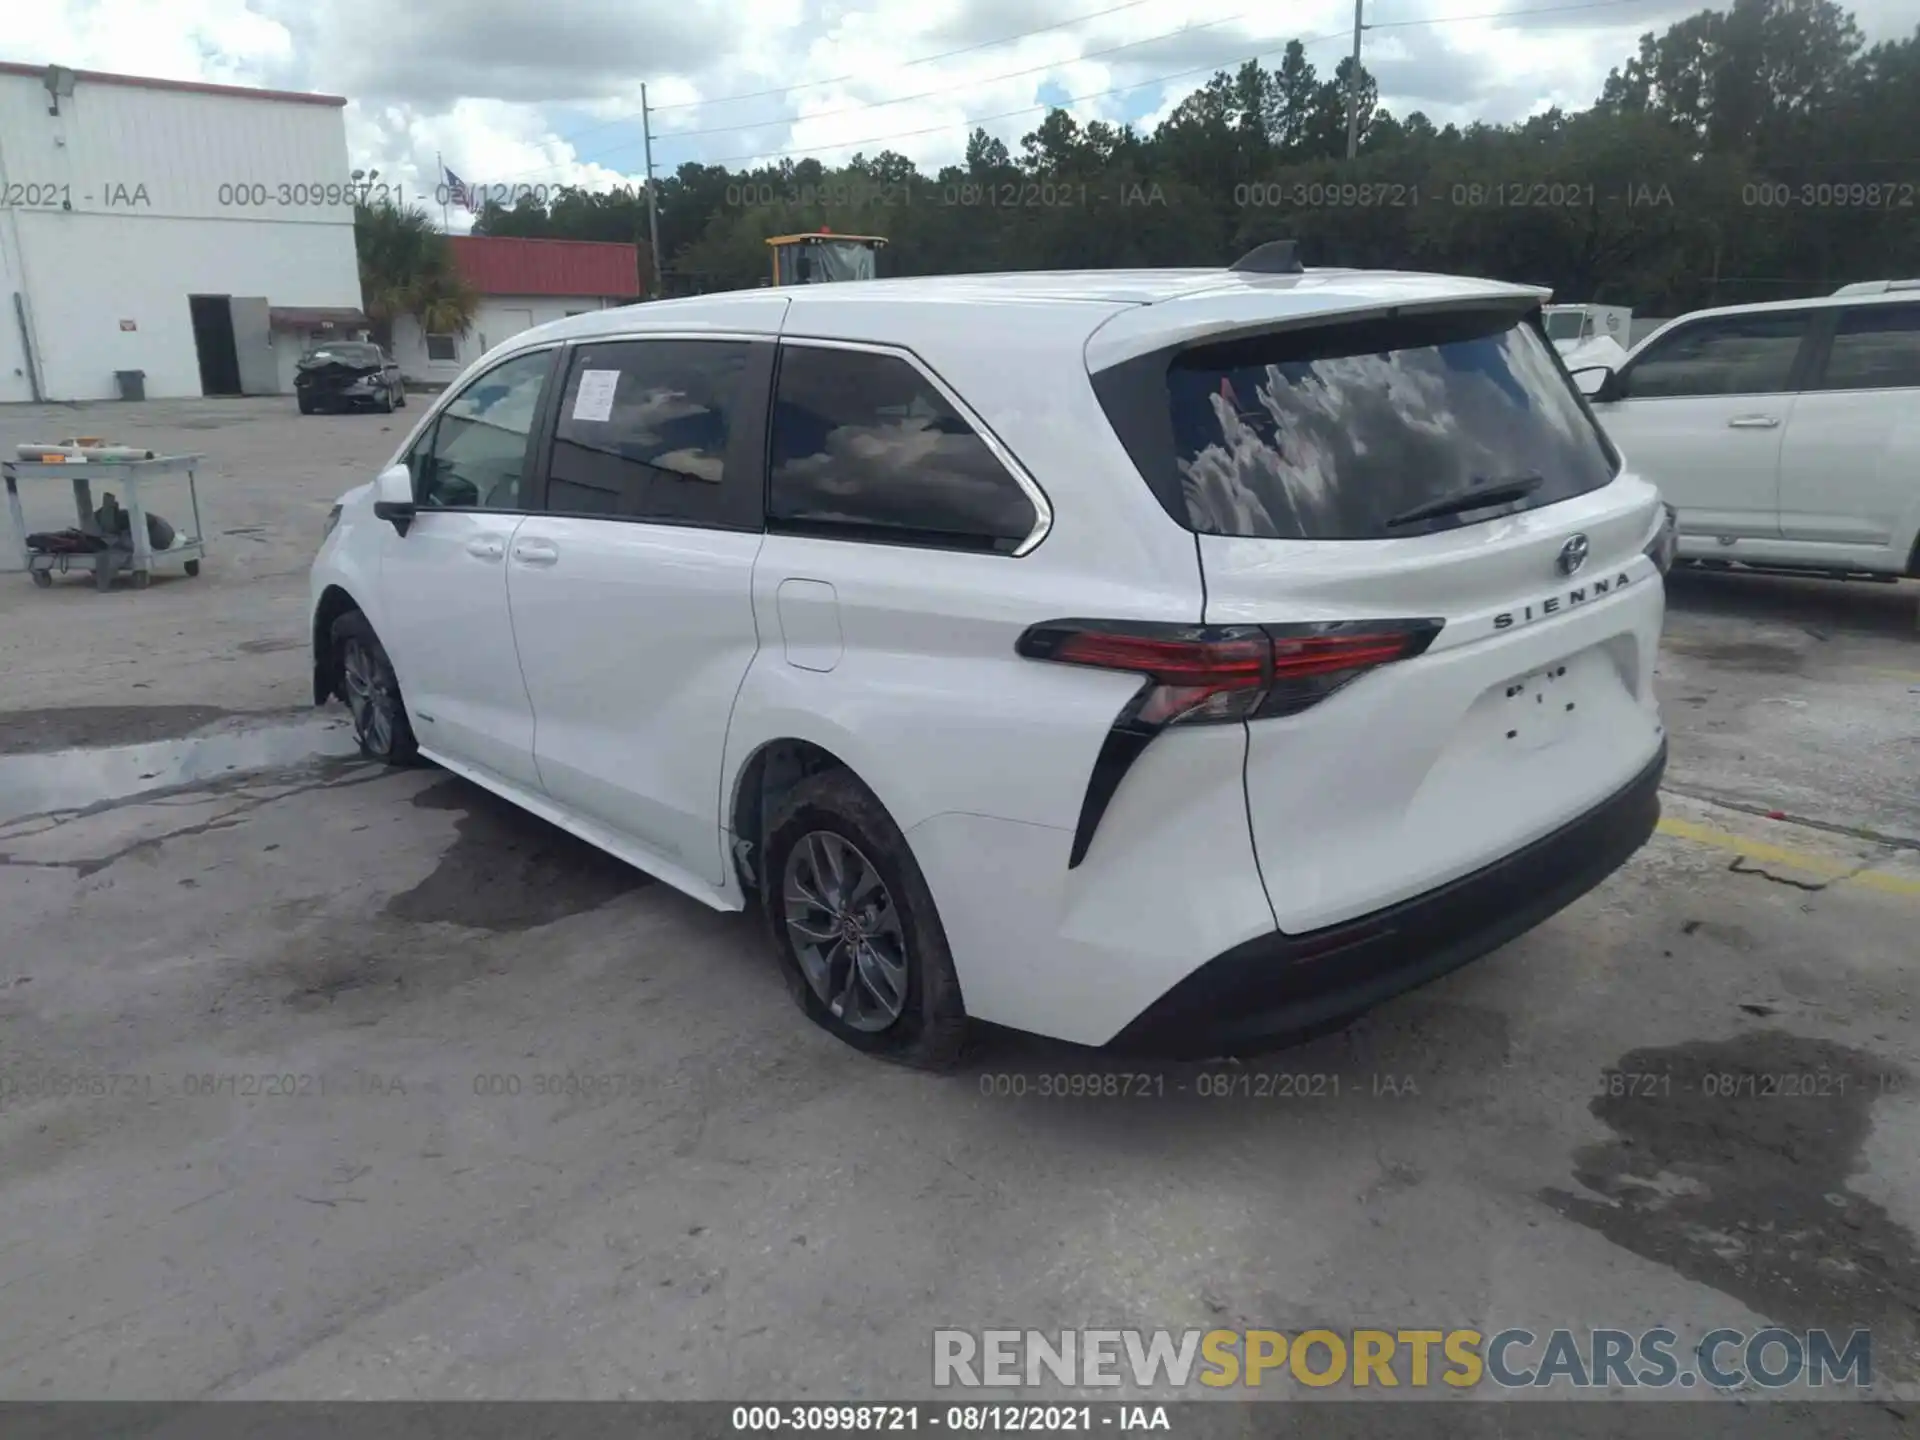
(459, 194)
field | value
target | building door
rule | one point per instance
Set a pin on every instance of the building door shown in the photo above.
(259, 367)
(213, 341)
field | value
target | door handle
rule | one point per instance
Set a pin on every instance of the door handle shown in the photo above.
(482, 547)
(536, 552)
(1753, 422)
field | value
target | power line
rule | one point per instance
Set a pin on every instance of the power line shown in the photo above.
(771, 156)
(841, 79)
(908, 64)
(965, 85)
(1119, 89)
(1009, 114)
(1508, 14)
(1046, 105)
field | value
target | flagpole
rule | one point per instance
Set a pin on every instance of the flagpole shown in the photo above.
(441, 186)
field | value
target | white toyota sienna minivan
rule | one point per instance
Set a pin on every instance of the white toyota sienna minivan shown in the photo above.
(1178, 660)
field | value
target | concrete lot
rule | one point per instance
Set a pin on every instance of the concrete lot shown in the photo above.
(735, 1206)
(186, 650)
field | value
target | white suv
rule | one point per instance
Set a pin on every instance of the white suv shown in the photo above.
(1176, 659)
(1787, 435)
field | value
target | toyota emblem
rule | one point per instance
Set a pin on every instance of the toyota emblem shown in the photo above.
(1573, 555)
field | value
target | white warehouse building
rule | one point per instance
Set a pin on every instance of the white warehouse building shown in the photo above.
(199, 234)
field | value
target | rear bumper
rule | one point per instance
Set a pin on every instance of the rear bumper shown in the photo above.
(1276, 987)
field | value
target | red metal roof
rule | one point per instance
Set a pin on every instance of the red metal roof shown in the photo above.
(505, 265)
(103, 77)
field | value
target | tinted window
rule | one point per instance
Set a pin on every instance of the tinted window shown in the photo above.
(346, 354)
(1333, 433)
(1730, 355)
(1875, 347)
(1566, 325)
(865, 444)
(643, 430)
(475, 454)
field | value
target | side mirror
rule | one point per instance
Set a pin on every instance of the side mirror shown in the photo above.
(1598, 382)
(393, 497)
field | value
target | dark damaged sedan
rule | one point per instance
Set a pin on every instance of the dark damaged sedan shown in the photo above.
(348, 375)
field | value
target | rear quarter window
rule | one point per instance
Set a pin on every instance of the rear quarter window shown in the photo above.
(865, 447)
(1330, 433)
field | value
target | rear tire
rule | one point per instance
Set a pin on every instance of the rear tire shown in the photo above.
(881, 977)
(372, 691)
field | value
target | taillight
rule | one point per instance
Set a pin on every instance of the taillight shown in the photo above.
(1195, 673)
(1665, 545)
(1206, 674)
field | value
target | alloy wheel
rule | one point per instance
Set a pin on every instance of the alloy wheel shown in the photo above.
(845, 930)
(369, 697)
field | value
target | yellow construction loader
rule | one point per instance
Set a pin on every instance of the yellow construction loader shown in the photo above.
(820, 256)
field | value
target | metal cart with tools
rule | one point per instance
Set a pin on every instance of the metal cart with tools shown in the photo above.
(127, 479)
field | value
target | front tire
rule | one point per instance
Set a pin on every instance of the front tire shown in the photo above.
(372, 692)
(855, 927)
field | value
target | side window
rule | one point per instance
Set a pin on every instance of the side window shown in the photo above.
(643, 431)
(1875, 347)
(866, 446)
(1728, 355)
(474, 455)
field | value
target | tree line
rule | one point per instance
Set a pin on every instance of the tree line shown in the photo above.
(1758, 152)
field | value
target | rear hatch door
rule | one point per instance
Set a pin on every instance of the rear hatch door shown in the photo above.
(1430, 467)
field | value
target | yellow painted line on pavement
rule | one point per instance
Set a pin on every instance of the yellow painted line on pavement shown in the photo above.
(1830, 868)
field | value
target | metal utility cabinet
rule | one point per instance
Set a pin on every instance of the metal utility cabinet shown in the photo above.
(127, 478)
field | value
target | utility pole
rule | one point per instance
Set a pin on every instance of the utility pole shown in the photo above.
(1353, 87)
(653, 207)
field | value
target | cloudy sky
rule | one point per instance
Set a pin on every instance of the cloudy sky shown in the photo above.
(546, 92)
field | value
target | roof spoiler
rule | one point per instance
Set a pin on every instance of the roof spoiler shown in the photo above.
(1877, 287)
(1276, 257)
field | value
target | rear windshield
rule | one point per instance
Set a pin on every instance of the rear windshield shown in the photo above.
(345, 353)
(1338, 432)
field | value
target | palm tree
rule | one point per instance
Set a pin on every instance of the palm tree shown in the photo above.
(406, 268)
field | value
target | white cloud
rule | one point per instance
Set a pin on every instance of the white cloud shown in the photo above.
(225, 41)
(547, 91)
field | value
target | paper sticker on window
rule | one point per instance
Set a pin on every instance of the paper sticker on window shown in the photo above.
(594, 399)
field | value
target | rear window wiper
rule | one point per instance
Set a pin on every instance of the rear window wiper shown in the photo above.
(1475, 496)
